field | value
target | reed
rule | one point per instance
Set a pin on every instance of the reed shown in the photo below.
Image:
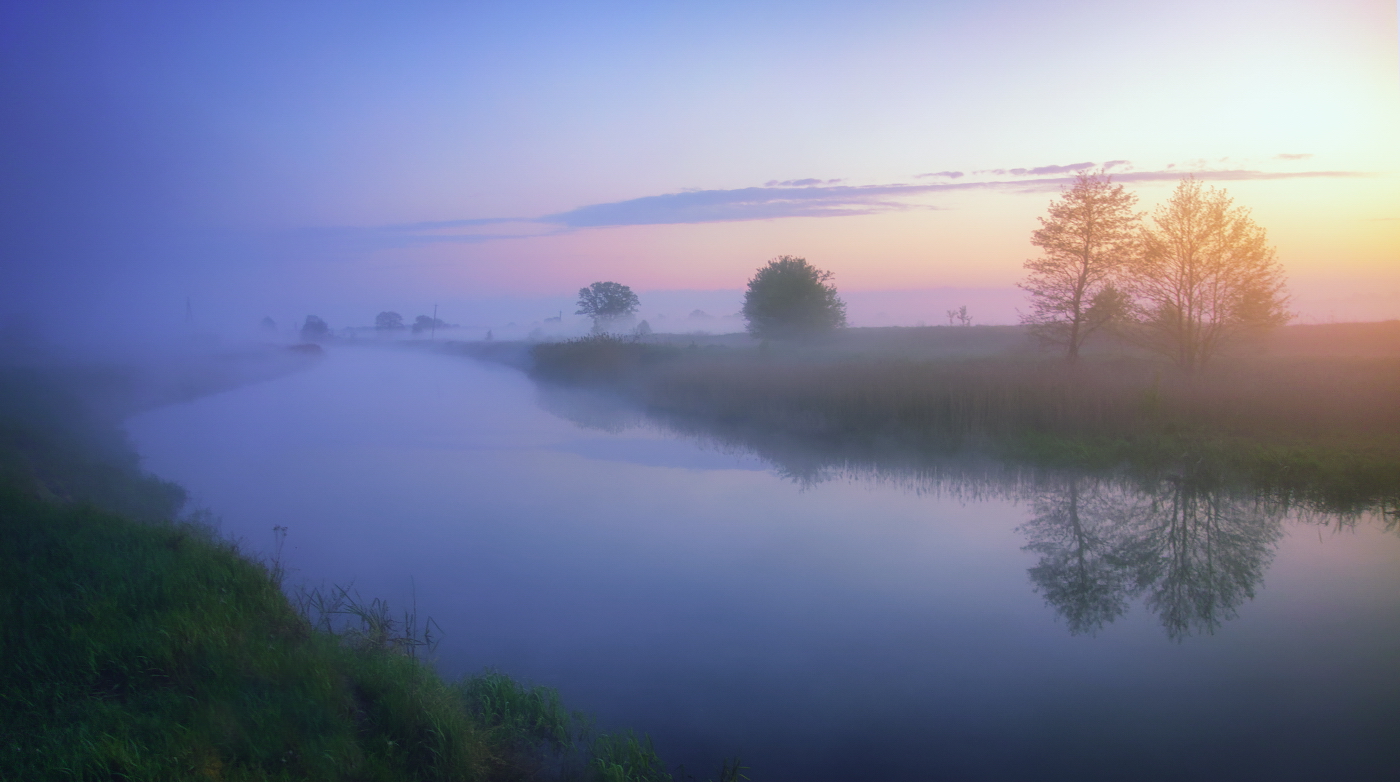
(1325, 427)
(623, 757)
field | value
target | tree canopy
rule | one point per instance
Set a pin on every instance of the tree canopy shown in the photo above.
(1205, 273)
(314, 329)
(424, 323)
(608, 304)
(1090, 234)
(791, 298)
(389, 321)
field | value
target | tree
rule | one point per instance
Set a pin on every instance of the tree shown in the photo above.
(1077, 529)
(791, 298)
(1205, 274)
(424, 323)
(1091, 233)
(314, 329)
(607, 303)
(1199, 554)
(389, 321)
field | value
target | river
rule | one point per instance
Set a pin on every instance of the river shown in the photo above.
(826, 624)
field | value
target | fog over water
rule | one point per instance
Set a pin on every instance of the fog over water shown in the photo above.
(859, 627)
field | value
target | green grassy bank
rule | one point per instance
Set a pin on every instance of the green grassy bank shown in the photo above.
(140, 647)
(1325, 428)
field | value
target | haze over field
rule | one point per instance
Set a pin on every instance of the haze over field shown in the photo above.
(273, 159)
(803, 392)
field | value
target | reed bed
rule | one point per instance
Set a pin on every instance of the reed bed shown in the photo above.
(1325, 426)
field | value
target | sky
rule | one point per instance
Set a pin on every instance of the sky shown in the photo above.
(282, 159)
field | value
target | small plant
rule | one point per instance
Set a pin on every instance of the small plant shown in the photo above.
(732, 771)
(365, 625)
(622, 757)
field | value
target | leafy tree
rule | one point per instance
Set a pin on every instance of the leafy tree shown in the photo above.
(389, 321)
(790, 298)
(607, 303)
(1090, 234)
(424, 323)
(1205, 274)
(314, 329)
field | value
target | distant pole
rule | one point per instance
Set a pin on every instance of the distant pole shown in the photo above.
(432, 335)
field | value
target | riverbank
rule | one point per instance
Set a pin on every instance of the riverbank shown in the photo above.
(1305, 417)
(139, 645)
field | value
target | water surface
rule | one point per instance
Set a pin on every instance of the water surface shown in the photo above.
(824, 625)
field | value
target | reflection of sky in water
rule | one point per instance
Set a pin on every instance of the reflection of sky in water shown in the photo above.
(837, 630)
(660, 453)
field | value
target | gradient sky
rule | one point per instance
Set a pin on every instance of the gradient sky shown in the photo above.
(344, 158)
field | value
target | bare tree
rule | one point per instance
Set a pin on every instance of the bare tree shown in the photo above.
(1091, 233)
(1205, 274)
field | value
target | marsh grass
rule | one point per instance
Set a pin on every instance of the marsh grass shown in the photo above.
(1325, 428)
(358, 623)
(623, 757)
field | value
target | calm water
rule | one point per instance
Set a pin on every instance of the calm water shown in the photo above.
(848, 627)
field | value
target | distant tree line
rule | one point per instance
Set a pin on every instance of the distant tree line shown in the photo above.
(787, 298)
(1199, 274)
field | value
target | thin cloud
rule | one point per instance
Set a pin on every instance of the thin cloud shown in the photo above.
(1039, 170)
(1293, 156)
(796, 183)
(1112, 164)
(433, 232)
(948, 174)
(750, 203)
(798, 198)
(1056, 169)
(766, 203)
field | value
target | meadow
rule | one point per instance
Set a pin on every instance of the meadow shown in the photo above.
(1307, 411)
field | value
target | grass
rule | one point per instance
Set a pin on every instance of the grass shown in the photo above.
(141, 647)
(1322, 428)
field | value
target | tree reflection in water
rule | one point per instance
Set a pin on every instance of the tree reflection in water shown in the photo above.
(1192, 548)
(1192, 551)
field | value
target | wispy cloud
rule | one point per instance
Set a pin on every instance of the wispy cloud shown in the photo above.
(782, 199)
(1039, 170)
(749, 203)
(799, 182)
(1293, 156)
(470, 231)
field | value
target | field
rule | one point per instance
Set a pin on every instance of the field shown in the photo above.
(1309, 410)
